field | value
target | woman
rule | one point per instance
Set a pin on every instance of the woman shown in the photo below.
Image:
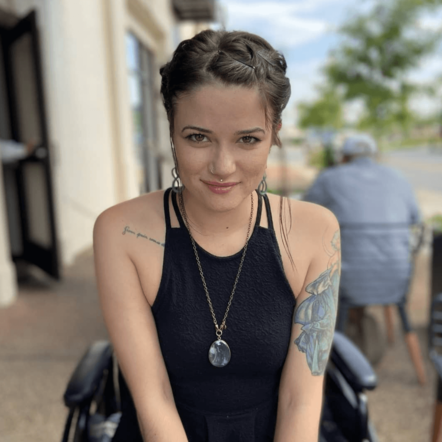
(197, 287)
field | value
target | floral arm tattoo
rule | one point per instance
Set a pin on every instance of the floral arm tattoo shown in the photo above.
(317, 313)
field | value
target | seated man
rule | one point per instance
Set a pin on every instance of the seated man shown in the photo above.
(375, 206)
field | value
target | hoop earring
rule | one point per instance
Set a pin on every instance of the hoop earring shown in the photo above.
(262, 188)
(177, 186)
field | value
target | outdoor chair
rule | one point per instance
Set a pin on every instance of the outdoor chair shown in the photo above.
(435, 346)
(384, 281)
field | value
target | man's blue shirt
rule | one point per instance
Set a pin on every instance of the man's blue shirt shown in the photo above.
(374, 204)
(363, 191)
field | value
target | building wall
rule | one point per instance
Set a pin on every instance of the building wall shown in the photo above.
(77, 105)
(8, 285)
(88, 110)
(86, 167)
(88, 103)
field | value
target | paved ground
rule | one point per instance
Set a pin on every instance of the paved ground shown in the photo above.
(43, 335)
(400, 408)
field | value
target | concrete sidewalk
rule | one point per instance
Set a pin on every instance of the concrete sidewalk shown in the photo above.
(42, 337)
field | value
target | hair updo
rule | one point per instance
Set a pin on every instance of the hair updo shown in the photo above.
(230, 58)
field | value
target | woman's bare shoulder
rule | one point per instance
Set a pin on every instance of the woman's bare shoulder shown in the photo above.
(302, 216)
(137, 229)
(301, 228)
(144, 208)
(140, 218)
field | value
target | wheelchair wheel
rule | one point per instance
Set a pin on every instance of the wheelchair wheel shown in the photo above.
(91, 397)
(372, 436)
(75, 427)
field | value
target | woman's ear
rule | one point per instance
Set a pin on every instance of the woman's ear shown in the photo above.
(278, 127)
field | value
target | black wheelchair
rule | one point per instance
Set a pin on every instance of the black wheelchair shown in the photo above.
(93, 395)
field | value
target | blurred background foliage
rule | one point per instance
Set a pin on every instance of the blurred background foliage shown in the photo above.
(370, 67)
(436, 224)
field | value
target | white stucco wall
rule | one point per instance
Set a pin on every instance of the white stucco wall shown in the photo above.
(86, 165)
(8, 284)
(72, 43)
(83, 46)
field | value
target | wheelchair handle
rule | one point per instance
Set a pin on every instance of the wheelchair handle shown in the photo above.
(352, 364)
(88, 373)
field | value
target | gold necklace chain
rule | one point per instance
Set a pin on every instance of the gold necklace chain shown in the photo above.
(219, 329)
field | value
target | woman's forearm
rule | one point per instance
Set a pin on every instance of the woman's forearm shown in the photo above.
(297, 423)
(162, 425)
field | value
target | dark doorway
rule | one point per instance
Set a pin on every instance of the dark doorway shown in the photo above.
(28, 181)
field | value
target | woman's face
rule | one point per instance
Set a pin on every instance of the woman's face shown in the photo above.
(220, 133)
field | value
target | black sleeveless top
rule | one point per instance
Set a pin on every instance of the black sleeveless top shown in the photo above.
(238, 402)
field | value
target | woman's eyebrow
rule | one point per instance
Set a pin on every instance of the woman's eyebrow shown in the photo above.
(249, 131)
(240, 132)
(200, 129)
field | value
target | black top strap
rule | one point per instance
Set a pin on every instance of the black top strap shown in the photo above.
(166, 208)
(269, 212)
(177, 210)
(259, 211)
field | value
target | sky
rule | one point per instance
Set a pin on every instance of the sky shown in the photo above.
(305, 31)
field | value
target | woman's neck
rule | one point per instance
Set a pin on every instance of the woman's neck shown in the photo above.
(205, 222)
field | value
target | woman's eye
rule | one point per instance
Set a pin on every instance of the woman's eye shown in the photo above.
(249, 139)
(197, 138)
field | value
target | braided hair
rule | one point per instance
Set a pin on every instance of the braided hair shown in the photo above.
(233, 58)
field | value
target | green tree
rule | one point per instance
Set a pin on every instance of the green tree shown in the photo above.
(324, 113)
(378, 50)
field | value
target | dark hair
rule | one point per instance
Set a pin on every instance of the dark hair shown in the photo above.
(231, 58)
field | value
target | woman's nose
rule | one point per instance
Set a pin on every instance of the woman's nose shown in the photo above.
(223, 162)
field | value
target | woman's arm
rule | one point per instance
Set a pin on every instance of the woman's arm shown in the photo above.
(133, 333)
(301, 387)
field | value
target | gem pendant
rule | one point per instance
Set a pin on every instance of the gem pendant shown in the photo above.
(219, 353)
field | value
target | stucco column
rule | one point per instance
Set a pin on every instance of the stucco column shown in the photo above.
(8, 279)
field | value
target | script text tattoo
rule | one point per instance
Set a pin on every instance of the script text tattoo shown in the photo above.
(141, 235)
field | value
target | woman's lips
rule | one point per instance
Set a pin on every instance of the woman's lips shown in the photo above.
(219, 188)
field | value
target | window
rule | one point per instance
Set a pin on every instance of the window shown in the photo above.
(140, 62)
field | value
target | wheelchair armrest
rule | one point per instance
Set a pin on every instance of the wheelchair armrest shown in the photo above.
(352, 363)
(88, 373)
